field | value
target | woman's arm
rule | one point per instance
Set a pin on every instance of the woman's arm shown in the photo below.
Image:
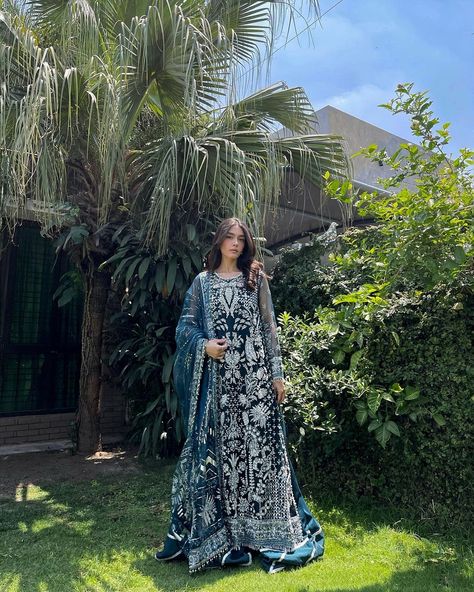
(271, 336)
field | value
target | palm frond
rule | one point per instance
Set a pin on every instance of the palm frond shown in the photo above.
(73, 22)
(311, 156)
(276, 105)
(247, 27)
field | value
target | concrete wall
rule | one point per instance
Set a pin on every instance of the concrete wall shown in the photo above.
(358, 134)
(304, 208)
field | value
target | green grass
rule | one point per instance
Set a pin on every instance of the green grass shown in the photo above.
(100, 536)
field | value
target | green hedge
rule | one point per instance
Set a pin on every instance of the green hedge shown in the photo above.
(429, 468)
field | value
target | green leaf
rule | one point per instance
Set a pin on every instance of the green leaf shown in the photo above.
(356, 356)
(144, 265)
(131, 269)
(197, 259)
(167, 368)
(144, 444)
(374, 425)
(439, 419)
(171, 275)
(149, 408)
(186, 262)
(373, 400)
(459, 255)
(382, 435)
(168, 396)
(159, 332)
(339, 356)
(392, 427)
(412, 393)
(191, 232)
(361, 416)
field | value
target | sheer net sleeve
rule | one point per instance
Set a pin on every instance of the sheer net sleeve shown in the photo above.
(270, 328)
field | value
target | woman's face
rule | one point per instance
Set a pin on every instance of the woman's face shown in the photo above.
(234, 243)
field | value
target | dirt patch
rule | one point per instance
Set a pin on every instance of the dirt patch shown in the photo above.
(20, 470)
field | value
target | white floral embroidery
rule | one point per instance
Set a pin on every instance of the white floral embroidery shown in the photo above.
(209, 510)
(257, 494)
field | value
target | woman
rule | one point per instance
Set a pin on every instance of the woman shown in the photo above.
(234, 489)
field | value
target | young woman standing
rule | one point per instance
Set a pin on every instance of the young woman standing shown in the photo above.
(234, 490)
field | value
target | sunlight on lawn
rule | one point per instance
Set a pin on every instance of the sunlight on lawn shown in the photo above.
(100, 536)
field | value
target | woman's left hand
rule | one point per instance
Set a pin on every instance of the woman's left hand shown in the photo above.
(279, 387)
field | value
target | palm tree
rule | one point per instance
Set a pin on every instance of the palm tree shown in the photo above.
(84, 81)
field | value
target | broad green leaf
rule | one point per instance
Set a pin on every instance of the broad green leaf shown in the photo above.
(373, 401)
(382, 435)
(412, 393)
(361, 416)
(356, 356)
(392, 427)
(374, 425)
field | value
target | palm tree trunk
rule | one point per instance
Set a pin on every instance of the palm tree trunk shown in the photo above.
(88, 416)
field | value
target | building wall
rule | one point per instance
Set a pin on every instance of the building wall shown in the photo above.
(48, 427)
(358, 134)
(303, 208)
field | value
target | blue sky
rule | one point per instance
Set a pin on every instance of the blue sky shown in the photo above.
(362, 49)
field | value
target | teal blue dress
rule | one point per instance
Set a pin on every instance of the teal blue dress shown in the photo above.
(234, 490)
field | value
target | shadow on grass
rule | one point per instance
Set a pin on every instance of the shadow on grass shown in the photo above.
(100, 535)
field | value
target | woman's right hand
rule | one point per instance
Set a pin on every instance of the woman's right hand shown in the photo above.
(216, 348)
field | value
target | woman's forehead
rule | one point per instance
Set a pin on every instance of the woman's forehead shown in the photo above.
(235, 229)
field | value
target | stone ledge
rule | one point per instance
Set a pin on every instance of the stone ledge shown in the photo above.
(52, 445)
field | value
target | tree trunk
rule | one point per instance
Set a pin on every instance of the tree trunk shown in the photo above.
(88, 415)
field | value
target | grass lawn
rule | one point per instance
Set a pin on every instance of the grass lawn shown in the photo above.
(100, 536)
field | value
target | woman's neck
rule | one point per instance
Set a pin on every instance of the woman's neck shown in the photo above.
(227, 266)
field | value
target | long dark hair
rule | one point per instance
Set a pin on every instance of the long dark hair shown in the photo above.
(246, 262)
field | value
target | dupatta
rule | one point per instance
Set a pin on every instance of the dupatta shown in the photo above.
(197, 521)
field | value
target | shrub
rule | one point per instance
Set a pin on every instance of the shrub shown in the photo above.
(430, 465)
(383, 344)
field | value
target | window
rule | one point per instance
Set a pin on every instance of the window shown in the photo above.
(39, 342)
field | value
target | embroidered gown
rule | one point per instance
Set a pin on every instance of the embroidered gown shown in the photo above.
(234, 487)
